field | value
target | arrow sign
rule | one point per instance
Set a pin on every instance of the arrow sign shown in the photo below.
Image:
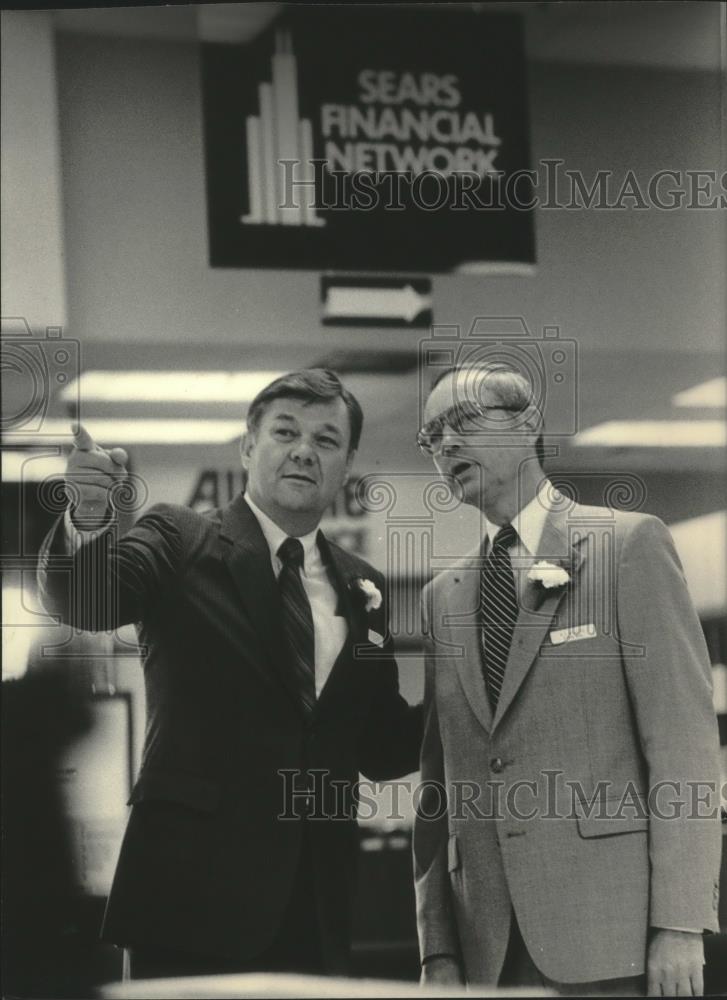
(376, 301)
(398, 303)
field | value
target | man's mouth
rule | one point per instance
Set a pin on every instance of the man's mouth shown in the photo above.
(300, 477)
(460, 469)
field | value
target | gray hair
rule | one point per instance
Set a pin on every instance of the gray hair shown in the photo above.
(511, 388)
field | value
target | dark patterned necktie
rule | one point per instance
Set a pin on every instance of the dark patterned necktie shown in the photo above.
(498, 603)
(298, 620)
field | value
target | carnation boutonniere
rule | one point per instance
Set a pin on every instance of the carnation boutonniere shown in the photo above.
(368, 591)
(549, 575)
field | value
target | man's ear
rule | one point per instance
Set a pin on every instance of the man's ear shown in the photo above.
(533, 425)
(246, 445)
(349, 465)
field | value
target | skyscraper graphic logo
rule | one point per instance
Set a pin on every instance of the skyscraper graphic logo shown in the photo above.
(277, 135)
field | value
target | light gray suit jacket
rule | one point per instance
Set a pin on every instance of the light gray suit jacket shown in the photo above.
(577, 805)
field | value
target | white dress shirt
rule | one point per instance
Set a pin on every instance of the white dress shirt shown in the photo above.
(529, 524)
(75, 537)
(329, 629)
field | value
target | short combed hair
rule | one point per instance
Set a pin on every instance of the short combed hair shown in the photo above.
(510, 386)
(311, 385)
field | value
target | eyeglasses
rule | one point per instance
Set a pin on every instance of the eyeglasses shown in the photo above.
(460, 418)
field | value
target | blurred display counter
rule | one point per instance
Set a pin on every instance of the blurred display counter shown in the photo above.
(384, 942)
(264, 986)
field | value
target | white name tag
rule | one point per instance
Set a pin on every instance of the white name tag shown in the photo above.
(560, 635)
(378, 640)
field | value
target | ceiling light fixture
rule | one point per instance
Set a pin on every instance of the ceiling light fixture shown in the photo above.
(168, 386)
(655, 434)
(712, 393)
(122, 432)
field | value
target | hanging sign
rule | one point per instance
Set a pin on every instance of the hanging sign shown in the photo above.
(369, 138)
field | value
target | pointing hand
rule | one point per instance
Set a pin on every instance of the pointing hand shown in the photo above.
(91, 474)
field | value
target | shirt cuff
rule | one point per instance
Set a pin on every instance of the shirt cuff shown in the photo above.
(76, 537)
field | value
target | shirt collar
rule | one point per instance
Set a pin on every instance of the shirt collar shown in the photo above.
(530, 521)
(275, 536)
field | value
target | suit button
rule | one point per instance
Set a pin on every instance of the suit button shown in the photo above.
(497, 765)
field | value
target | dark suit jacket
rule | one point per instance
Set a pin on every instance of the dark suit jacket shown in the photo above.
(206, 864)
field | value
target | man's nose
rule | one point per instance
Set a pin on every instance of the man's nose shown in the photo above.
(451, 440)
(303, 451)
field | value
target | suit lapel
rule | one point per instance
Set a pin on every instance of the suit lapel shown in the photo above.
(464, 625)
(537, 608)
(247, 557)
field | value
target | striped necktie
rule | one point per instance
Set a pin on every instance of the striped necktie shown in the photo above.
(298, 620)
(499, 607)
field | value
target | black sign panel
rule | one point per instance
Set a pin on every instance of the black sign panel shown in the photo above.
(367, 138)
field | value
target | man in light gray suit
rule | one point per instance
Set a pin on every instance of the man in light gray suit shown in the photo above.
(568, 832)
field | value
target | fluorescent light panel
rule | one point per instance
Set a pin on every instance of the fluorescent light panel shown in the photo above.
(655, 434)
(168, 386)
(28, 467)
(122, 432)
(707, 394)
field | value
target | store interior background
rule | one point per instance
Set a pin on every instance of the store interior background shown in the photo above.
(105, 236)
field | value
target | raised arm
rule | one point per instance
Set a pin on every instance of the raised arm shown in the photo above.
(89, 576)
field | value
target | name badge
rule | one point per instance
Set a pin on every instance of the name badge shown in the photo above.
(561, 635)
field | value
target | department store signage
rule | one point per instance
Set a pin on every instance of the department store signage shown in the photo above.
(367, 138)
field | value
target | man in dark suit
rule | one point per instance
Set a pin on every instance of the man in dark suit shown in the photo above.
(270, 684)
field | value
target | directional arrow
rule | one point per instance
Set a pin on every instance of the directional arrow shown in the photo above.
(389, 302)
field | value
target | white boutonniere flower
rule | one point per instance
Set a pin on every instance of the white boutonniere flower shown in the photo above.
(549, 575)
(370, 592)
